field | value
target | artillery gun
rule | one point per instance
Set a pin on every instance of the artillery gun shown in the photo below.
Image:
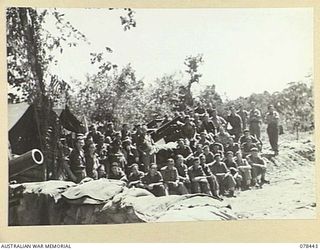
(19, 164)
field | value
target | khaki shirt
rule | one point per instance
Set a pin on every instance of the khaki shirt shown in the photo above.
(272, 118)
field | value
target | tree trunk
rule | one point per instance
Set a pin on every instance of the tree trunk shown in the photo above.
(189, 99)
(28, 19)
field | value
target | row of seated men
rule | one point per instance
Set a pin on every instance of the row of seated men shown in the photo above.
(126, 153)
(208, 169)
(221, 177)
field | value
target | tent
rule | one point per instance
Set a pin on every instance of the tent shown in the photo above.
(23, 128)
(70, 122)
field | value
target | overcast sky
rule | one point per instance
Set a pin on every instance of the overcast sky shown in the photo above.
(245, 50)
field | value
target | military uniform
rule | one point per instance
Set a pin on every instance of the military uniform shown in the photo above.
(232, 147)
(224, 177)
(212, 180)
(118, 176)
(255, 122)
(158, 190)
(198, 186)
(233, 168)
(258, 168)
(244, 117)
(77, 164)
(92, 166)
(236, 123)
(135, 179)
(171, 180)
(183, 175)
(245, 171)
(272, 119)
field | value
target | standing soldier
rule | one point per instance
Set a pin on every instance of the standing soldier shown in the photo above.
(244, 116)
(188, 129)
(77, 161)
(255, 121)
(217, 120)
(272, 119)
(236, 123)
(92, 162)
(145, 148)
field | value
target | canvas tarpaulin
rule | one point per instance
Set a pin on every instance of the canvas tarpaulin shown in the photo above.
(109, 201)
(70, 122)
(23, 129)
(23, 126)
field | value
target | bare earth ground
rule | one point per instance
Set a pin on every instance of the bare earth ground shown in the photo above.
(291, 193)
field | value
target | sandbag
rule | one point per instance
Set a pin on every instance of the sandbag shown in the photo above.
(53, 188)
(40, 204)
(176, 208)
(99, 191)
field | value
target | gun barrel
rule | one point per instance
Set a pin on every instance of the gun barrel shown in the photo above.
(25, 161)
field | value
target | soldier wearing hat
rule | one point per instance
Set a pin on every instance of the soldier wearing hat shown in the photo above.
(145, 148)
(92, 162)
(259, 167)
(247, 146)
(171, 179)
(116, 173)
(199, 182)
(197, 122)
(217, 148)
(222, 136)
(116, 142)
(225, 179)
(207, 125)
(188, 129)
(244, 170)
(204, 138)
(246, 135)
(272, 119)
(209, 157)
(94, 133)
(183, 172)
(130, 153)
(125, 131)
(255, 121)
(244, 114)
(153, 181)
(109, 129)
(217, 120)
(77, 161)
(212, 179)
(183, 149)
(232, 146)
(135, 177)
(235, 122)
(233, 168)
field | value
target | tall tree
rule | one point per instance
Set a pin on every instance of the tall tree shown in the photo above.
(115, 95)
(192, 63)
(209, 96)
(165, 96)
(29, 53)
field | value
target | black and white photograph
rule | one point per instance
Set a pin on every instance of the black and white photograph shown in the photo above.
(147, 115)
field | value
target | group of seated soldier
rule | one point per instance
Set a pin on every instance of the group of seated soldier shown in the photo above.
(207, 158)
